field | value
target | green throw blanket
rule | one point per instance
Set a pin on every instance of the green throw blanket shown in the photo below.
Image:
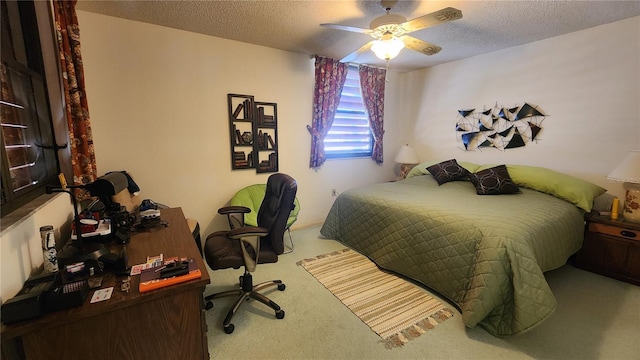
(487, 254)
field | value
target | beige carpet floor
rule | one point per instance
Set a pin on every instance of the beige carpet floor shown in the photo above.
(596, 318)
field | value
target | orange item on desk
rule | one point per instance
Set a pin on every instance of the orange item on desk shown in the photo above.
(151, 279)
(160, 283)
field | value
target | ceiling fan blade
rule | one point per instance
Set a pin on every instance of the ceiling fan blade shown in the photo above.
(435, 18)
(347, 28)
(357, 53)
(420, 46)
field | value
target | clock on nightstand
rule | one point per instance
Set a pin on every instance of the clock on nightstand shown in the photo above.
(611, 248)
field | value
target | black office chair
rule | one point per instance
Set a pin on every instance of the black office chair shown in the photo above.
(248, 246)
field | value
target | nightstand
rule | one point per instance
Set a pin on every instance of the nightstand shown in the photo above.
(611, 248)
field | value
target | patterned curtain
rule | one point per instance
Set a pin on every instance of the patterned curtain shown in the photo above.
(83, 158)
(372, 82)
(330, 77)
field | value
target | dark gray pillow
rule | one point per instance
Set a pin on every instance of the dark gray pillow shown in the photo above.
(494, 181)
(447, 171)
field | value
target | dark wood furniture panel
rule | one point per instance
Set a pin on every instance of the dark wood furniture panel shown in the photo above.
(167, 323)
(611, 248)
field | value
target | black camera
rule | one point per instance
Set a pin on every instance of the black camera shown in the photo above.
(122, 222)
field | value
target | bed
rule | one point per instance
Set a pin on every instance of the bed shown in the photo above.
(485, 253)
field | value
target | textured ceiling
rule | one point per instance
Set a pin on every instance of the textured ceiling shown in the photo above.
(295, 25)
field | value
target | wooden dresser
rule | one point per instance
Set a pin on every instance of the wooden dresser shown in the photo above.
(611, 248)
(166, 323)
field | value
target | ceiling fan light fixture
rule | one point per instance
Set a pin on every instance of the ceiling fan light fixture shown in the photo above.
(389, 32)
(390, 29)
(389, 20)
(387, 49)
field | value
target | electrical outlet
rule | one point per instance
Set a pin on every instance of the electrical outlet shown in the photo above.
(334, 192)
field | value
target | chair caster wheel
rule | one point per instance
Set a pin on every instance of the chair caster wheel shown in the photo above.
(208, 305)
(281, 287)
(229, 329)
(280, 314)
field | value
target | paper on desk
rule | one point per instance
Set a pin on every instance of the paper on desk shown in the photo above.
(152, 261)
(136, 269)
(102, 294)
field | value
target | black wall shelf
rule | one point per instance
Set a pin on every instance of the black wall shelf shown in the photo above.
(253, 130)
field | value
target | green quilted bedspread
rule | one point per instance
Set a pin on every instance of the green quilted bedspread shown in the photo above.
(486, 254)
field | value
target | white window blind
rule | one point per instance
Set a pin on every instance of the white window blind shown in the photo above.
(350, 135)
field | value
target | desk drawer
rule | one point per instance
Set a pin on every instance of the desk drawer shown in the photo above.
(615, 231)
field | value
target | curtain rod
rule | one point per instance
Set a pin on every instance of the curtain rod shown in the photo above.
(312, 56)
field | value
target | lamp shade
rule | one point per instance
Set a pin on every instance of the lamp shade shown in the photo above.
(628, 170)
(387, 49)
(406, 155)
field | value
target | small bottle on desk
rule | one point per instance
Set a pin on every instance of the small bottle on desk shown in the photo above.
(49, 249)
(614, 208)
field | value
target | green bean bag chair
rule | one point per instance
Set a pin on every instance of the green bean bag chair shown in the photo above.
(251, 197)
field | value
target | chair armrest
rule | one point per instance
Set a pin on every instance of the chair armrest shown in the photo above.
(249, 235)
(247, 231)
(233, 210)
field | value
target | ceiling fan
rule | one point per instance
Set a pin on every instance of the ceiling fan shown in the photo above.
(389, 32)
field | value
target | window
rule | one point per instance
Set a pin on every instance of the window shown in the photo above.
(29, 159)
(350, 135)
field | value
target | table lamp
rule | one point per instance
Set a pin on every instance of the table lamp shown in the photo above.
(628, 172)
(407, 159)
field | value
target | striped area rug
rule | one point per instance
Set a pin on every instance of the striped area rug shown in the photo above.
(395, 309)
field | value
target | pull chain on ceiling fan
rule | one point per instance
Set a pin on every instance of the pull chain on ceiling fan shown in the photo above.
(389, 32)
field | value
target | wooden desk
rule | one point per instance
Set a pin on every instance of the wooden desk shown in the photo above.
(167, 323)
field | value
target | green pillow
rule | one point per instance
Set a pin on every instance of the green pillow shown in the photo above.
(572, 189)
(421, 169)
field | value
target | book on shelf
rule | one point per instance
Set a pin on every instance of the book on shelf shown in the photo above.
(248, 109)
(238, 110)
(260, 115)
(240, 159)
(239, 139)
(272, 161)
(264, 119)
(271, 142)
(268, 120)
(264, 165)
(269, 164)
(260, 140)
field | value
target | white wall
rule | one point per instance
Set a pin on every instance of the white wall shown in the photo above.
(588, 82)
(20, 245)
(158, 103)
(157, 98)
